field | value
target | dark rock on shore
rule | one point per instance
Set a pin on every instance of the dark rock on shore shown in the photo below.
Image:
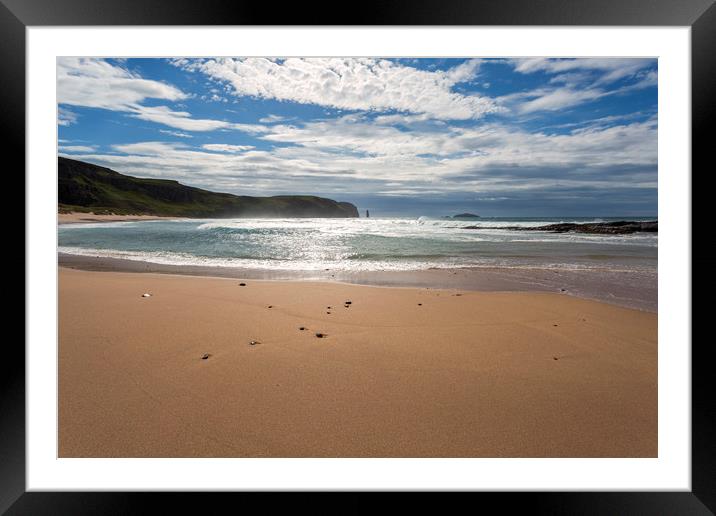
(610, 228)
(621, 227)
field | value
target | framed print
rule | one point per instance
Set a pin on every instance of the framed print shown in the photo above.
(417, 253)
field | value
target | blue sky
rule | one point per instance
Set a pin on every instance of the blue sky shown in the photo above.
(497, 137)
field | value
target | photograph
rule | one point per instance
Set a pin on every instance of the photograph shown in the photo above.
(357, 257)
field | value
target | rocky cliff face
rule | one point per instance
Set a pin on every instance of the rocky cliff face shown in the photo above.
(87, 187)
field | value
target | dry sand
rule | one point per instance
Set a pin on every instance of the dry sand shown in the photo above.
(76, 217)
(479, 374)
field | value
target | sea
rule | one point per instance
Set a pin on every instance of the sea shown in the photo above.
(363, 244)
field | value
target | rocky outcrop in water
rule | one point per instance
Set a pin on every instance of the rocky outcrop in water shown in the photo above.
(621, 227)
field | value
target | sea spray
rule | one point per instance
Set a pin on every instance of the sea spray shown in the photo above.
(360, 244)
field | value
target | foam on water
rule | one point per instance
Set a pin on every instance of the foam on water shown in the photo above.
(358, 244)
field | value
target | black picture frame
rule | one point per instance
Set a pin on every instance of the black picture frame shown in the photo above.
(700, 15)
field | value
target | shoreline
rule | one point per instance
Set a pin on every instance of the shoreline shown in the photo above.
(79, 217)
(205, 367)
(637, 290)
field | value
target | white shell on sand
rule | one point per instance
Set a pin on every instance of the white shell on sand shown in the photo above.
(146, 295)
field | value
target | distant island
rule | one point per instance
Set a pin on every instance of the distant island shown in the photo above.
(84, 187)
(465, 216)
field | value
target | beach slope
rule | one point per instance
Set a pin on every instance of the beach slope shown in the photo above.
(205, 367)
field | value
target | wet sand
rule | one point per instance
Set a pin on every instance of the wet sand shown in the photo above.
(629, 289)
(399, 372)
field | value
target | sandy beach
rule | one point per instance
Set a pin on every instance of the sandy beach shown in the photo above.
(77, 217)
(628, 289)
(398, 372)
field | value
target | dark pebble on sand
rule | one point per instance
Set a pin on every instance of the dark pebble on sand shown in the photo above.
(254, 342)
(302, 328)
(420, 304)
(320, 335)
(555, 325)
(270, 306)
(242, 284)
(348, 302)
(205, 356)
(563, 290)
(555, 358)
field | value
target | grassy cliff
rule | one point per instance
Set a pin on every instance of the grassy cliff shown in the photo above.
(87, 187)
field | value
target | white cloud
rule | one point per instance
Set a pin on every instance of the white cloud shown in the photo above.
(611, 68)
(353, 155)
(556, 99)
(482, 147)
(409, 136)
(177, 119)
(272, 119)
(184, 121)
(348, 83)
(401, 119)
(65, 117)
(77, 148)
(148, 148)
(465, 71)
(222, 147)
(571, 79)
(644, 80)
(96, 83)
(583, 81)
(175, 133)
(354, 134)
